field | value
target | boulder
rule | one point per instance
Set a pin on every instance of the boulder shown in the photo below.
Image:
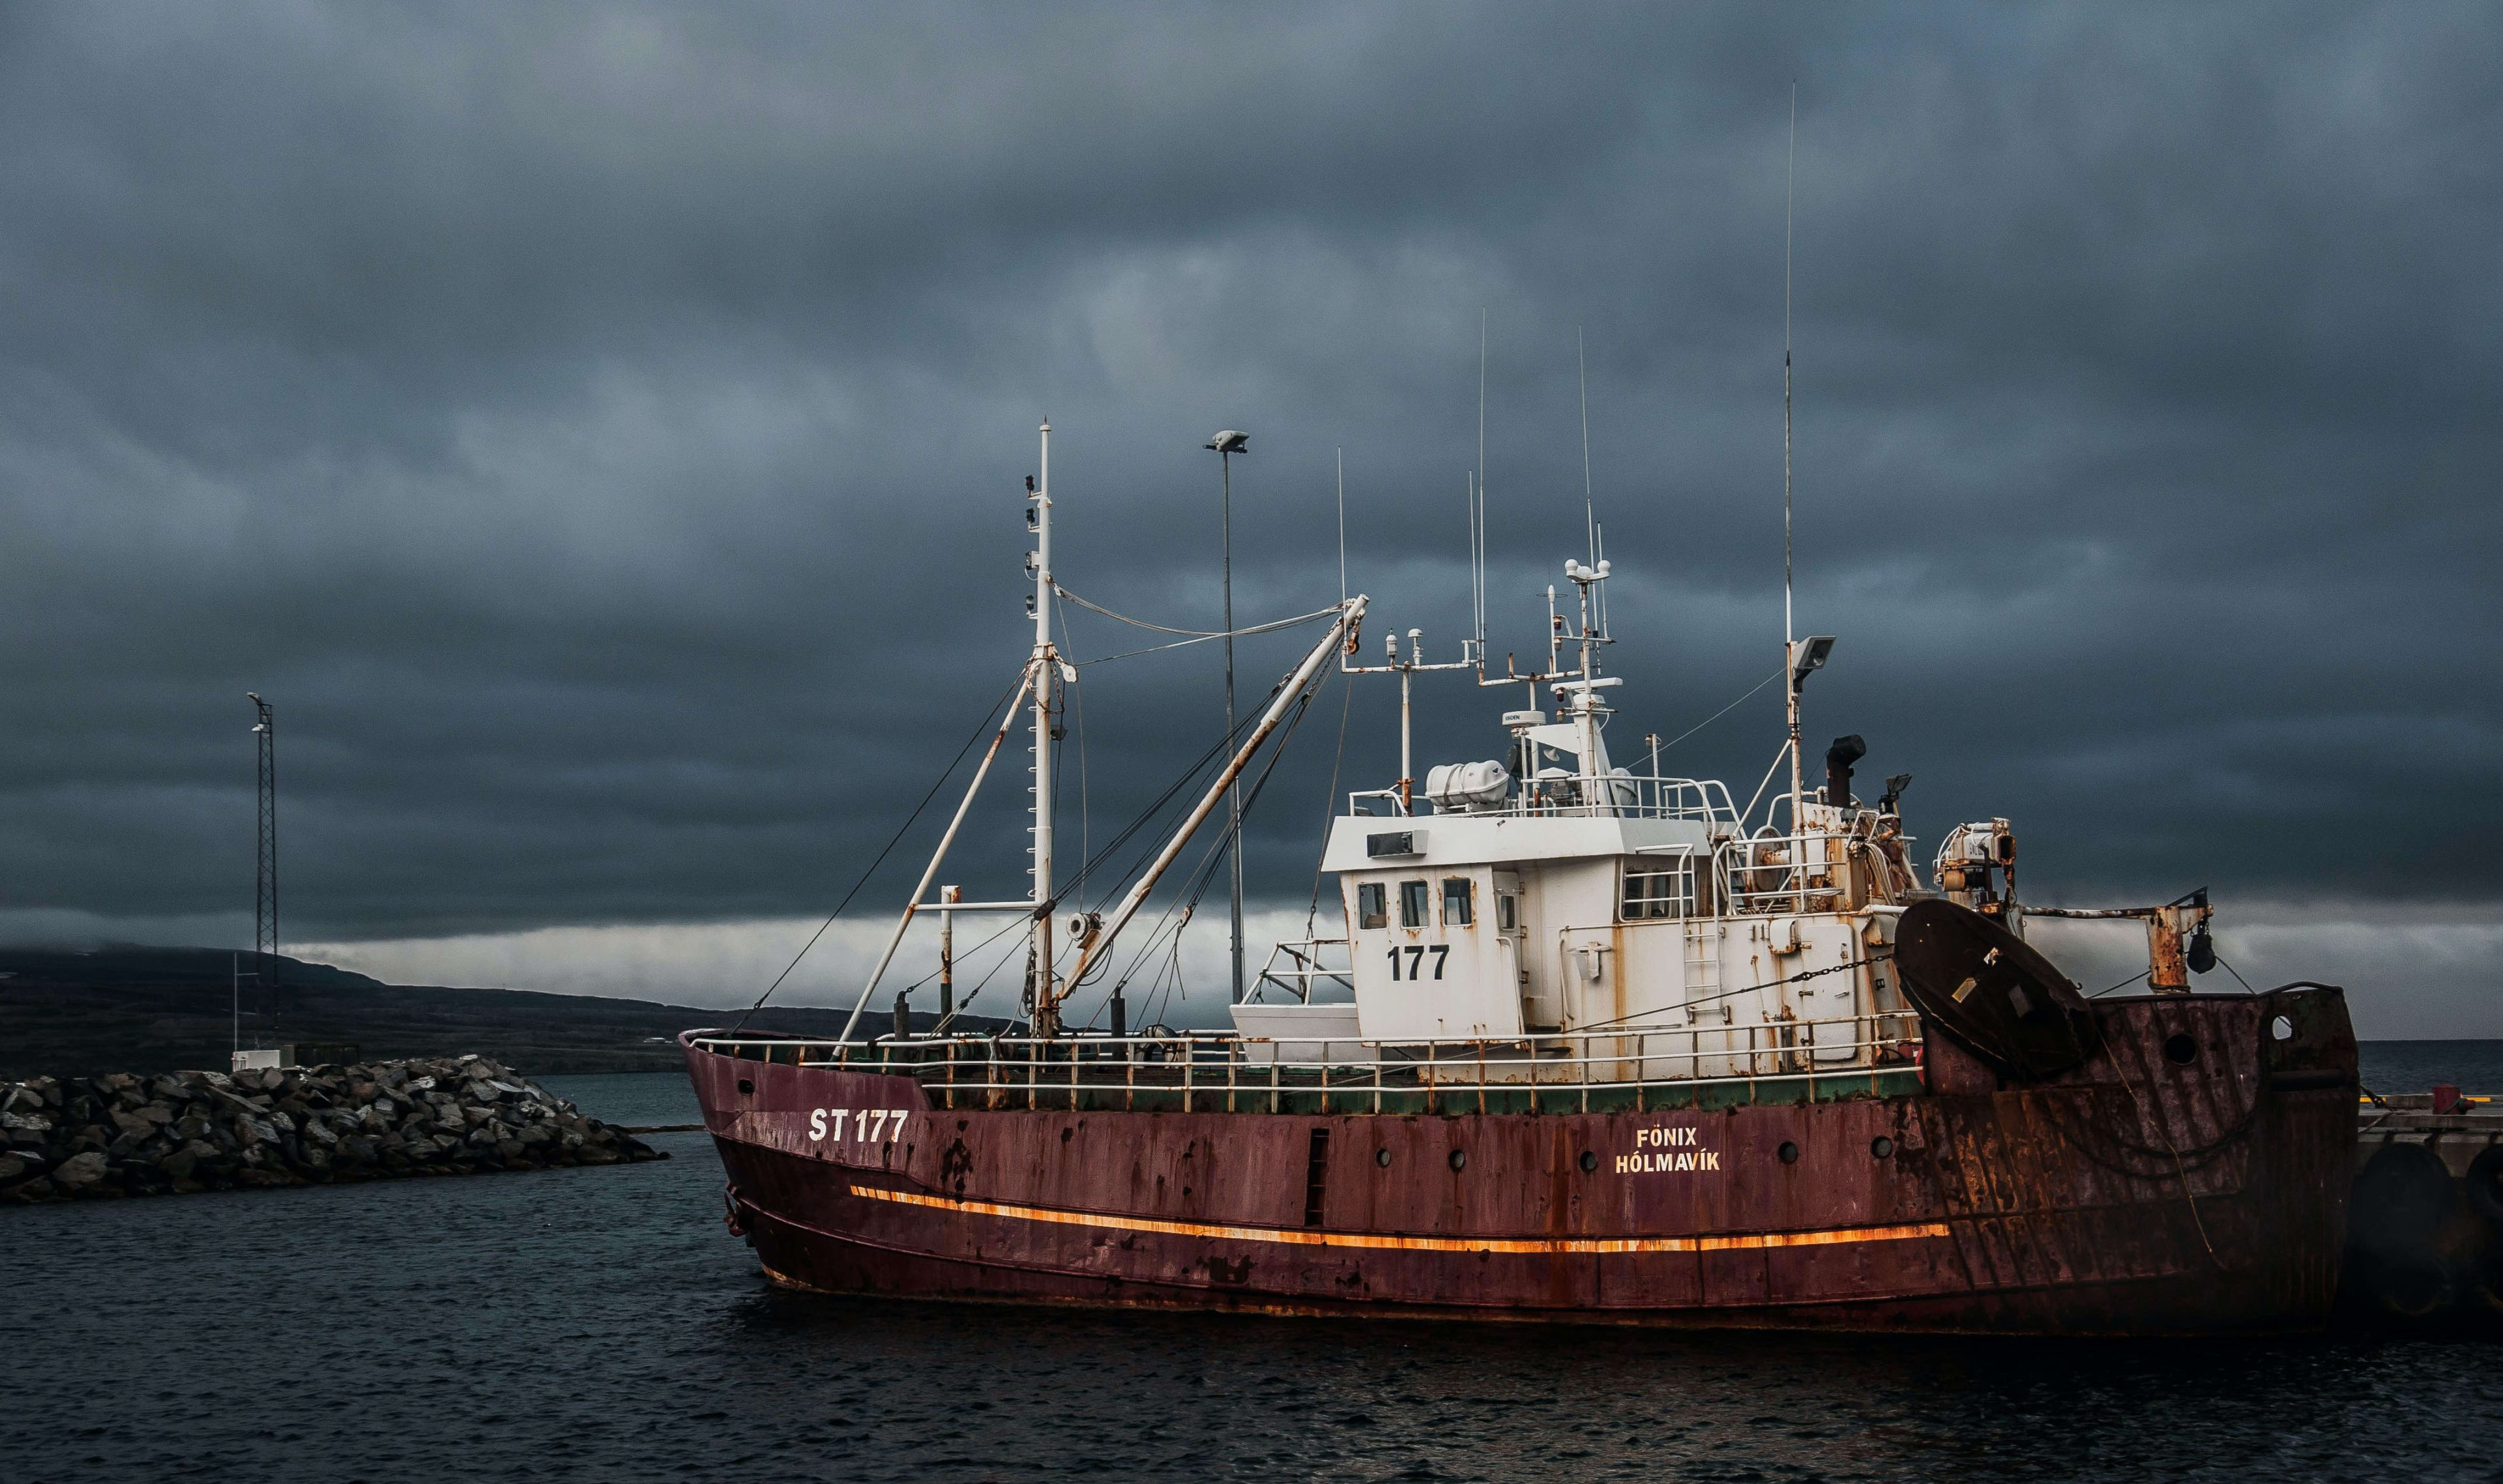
(180, 1132)
(79, 1172)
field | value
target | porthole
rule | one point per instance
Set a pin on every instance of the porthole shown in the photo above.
(746, 1089)
(1382, 1157)
(2180, 1050)
(1459, 1160)
(1881, 1147)
(2281, 1030)
(1590, 1162)
(1789, 1153)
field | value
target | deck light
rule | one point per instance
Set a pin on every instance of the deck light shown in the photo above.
(1810, 654)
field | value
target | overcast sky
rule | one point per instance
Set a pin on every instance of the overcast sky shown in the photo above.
(600, 432)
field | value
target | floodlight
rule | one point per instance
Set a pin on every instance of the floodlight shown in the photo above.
(1809, 654)
(1229, 441)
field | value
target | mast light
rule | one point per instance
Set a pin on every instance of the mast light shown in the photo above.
(1810, 654)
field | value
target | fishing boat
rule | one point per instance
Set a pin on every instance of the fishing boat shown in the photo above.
(1592, 1045)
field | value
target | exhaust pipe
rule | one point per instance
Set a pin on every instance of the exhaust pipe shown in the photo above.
(1839, 758)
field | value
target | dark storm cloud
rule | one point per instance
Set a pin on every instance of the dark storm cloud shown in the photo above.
(599, 429)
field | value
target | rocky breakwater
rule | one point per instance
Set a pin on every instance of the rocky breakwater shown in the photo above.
(183, 1131)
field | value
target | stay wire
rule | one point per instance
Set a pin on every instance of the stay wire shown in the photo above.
(1329, 801)
(1196, 634)
(1724, 712)
(1152, 812)
(1205, 873)
(1014, 924)
(1184, 643)
(2123, 984)
(1223, 747)
(891, 843)
(1078, 703)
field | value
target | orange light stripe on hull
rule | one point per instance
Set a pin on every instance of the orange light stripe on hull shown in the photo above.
(1536, 1246)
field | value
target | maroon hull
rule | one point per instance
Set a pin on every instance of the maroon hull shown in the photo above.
(2139, 1193)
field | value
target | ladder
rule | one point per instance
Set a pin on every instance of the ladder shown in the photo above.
(1702, 987)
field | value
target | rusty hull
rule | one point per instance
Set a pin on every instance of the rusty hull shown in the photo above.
(2139, 1193)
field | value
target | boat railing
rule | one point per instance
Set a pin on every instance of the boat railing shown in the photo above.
(1803, 871)
(1575, 796)
(1616, 1068)
(1301, 967)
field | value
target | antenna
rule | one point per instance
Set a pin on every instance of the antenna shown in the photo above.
(265, 905)
(1342, 528)
(1482, 368)
(1589, 521)
(1477, 498)
(1790, 642)
(1477, 566)
(1599, 544)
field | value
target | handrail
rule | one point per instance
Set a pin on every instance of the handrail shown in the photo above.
(1306, 955)
(1616, 1060)
(1655, 796)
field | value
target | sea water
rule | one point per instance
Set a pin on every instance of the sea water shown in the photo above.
(600, 1324)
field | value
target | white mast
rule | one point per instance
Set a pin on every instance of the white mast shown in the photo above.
(1790, 640)
(1046, 1020)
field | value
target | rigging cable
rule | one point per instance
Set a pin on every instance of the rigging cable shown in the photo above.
(1220, 747)
(1205, 871)
(1141, 623)
(1329, 804)
(1724, 712)
(1202, 874)
(1077, 703)
(2123, 984)
(892, 841)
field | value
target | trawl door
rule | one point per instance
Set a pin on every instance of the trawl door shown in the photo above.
(1434, 968)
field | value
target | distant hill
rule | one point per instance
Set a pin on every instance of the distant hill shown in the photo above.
(162, 1010)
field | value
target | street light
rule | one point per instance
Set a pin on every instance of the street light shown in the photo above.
(1225, 445)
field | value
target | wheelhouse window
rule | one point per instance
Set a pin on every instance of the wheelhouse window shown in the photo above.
(1660, 888)
(1372, 905)
(1414, 905)
(1459, 899)
(1506, 917)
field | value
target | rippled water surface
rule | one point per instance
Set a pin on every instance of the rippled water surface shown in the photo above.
(600, 1324)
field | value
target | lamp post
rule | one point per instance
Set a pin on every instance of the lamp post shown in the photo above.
(1226, 444)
